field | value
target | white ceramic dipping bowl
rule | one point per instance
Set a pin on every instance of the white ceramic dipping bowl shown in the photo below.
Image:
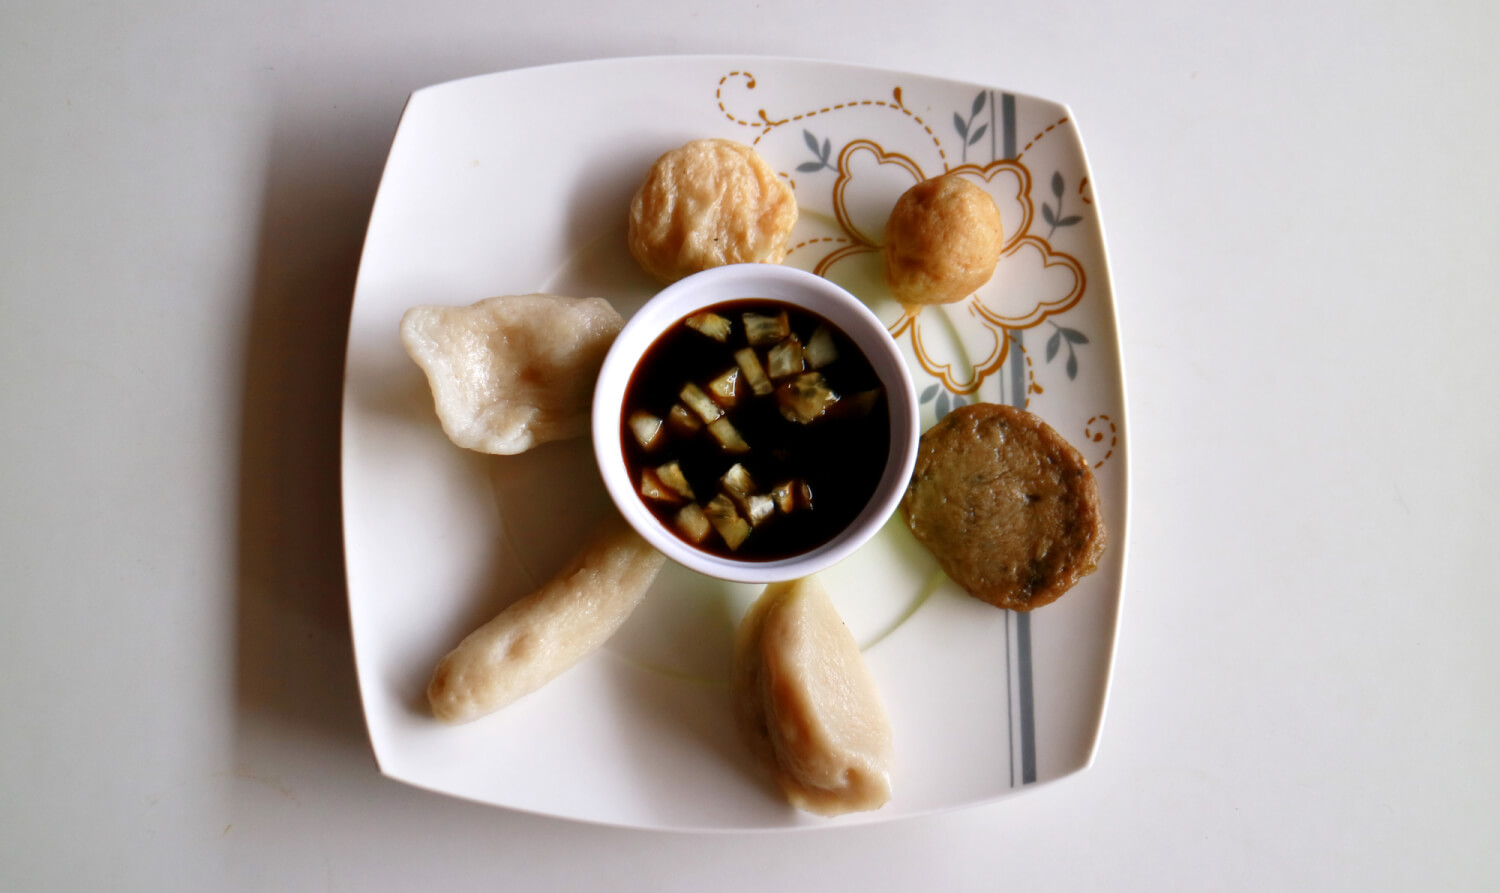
(756, 282)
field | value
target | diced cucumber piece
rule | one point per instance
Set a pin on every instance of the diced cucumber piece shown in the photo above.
(711, 324)
(759, 508)
(647, 429)
(652, 488)
(722, 389)
(672, 478)
(820, 350)
(728, 436)
(781, 494)
(700, 402)
(785, 358)
(682, 419)
(755, 373)
(761, 329)
(693, 523)
(722, 515)
(805, 398)
(737, 483)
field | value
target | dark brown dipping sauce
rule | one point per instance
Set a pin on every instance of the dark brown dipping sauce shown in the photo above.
(831, 450)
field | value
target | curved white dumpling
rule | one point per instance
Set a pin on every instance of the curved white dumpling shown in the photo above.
(807, 705)
(512, 372)
(534, 640)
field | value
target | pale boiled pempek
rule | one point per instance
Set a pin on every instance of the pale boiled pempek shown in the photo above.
(512, 372)
(534, 640)
(807, 705)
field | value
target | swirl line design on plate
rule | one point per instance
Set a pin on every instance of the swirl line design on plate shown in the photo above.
(1095, 436)
(1031, 386)
(768, 124)
(805, 242)
(1038, 138)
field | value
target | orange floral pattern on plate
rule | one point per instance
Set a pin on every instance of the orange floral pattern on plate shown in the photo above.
(1033, 281)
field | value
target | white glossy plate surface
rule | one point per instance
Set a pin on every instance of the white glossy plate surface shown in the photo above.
(519, 182)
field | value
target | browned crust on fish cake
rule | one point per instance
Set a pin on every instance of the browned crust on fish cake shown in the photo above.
(1007, 506)
(706, 204)
(942, 241)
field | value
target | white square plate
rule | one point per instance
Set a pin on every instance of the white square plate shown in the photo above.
(519, 182)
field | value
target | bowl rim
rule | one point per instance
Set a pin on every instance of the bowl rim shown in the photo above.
(770, 282)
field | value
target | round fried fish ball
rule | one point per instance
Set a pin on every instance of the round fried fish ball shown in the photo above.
(942, 241)
(1007, 506)
(707, 204)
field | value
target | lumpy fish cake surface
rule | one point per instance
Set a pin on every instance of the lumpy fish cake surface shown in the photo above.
(806, 703)
(1008, 507)
(509, 373)
(706, 204)
(942, 241)
(534, 640)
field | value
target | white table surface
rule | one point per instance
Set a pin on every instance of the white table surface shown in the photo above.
(1300, 204)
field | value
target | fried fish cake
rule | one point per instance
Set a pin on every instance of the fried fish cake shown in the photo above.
(942, 241)
(1007, 506)
(706, 204)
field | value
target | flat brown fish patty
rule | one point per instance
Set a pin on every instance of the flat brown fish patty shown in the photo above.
(1006, 505)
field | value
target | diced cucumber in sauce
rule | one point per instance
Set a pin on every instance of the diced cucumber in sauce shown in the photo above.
(761, 330)
(820, 350)
(728, 436)
(759, 508)
(737, 483)
(682, 419)
(804, 495)
(700, 403)
(672, 478)
(693, 523)
(723, 388)
(651, 488)
(722, 515)
(736, 533)
(711, 324)
(781, 494)
(785, 358)
(805, 398)
(755, 373)
(647, 429)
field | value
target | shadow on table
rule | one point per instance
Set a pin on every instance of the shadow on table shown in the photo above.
(300, 732)
(295, 674)
(295, 662)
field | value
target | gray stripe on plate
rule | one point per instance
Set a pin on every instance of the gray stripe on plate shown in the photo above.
(1023, 620)
(1008, 122)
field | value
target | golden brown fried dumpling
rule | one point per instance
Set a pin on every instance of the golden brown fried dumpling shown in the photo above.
(707, 204)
